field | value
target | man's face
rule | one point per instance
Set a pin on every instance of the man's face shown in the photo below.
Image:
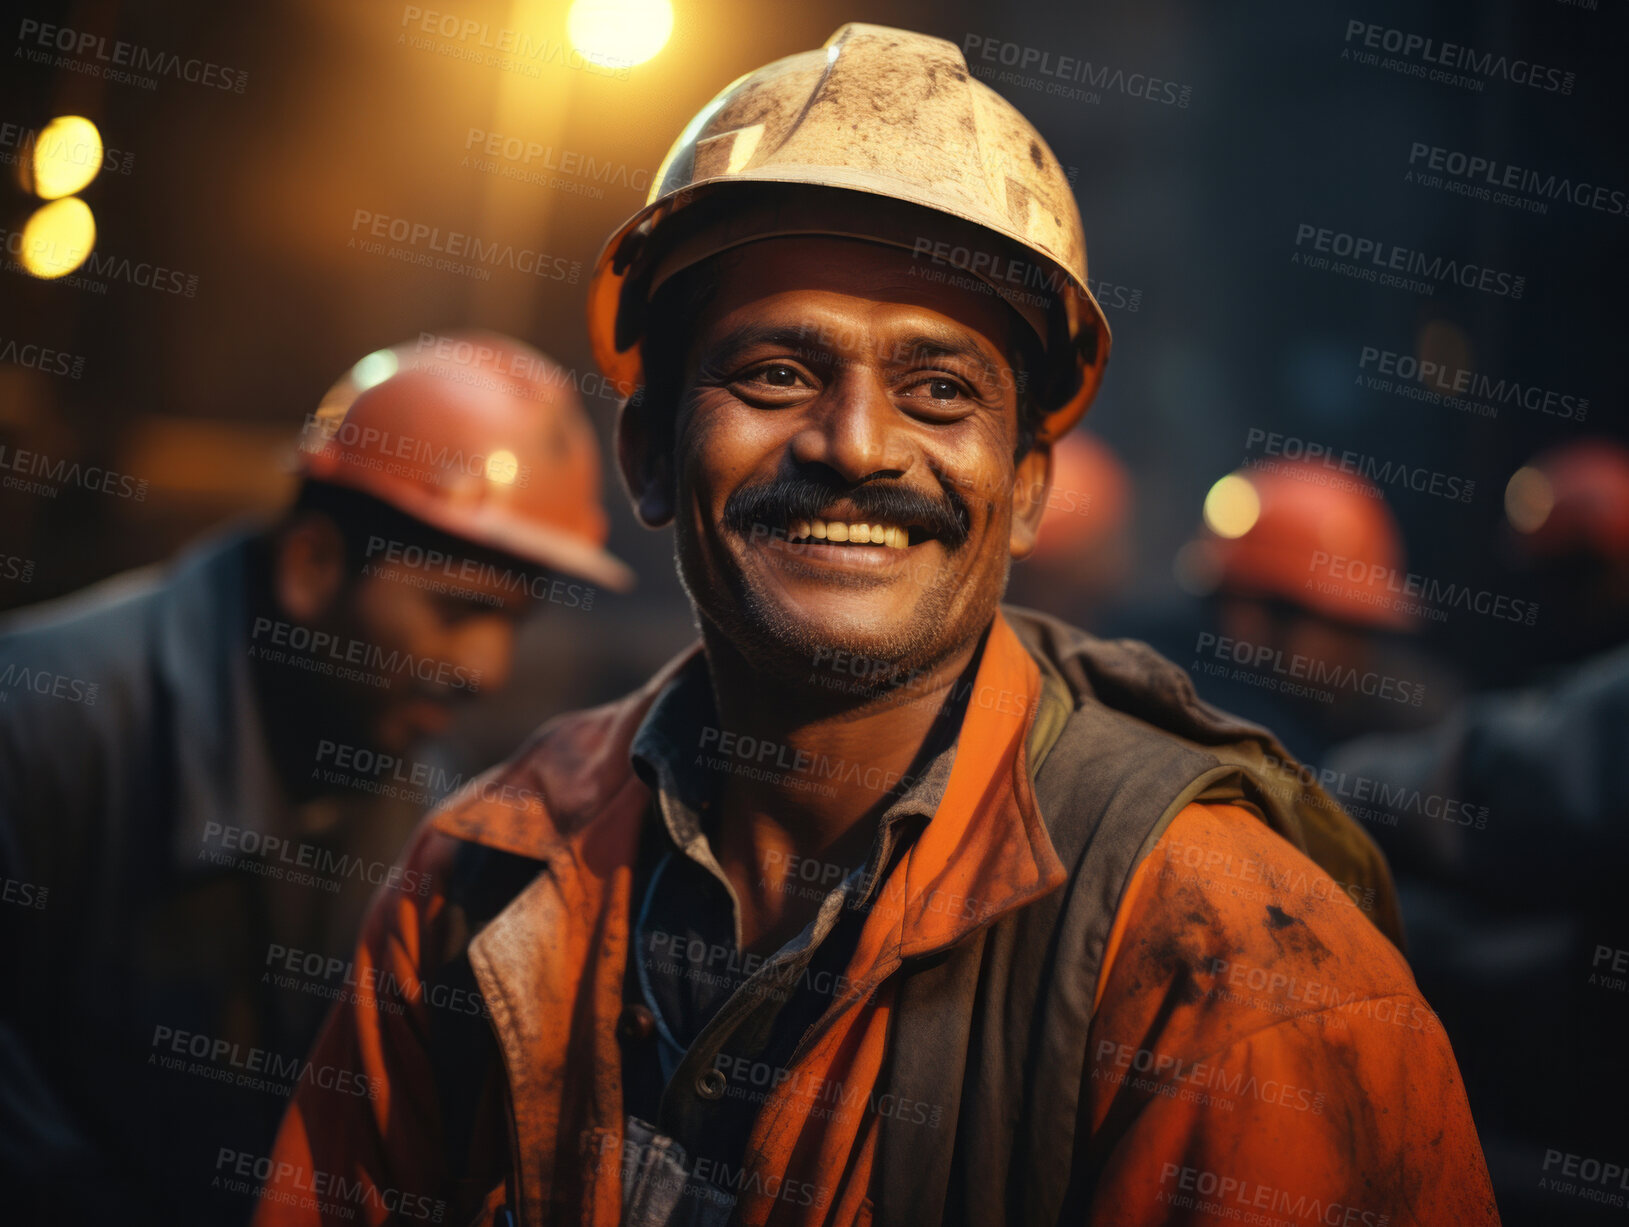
(449, 647)
(830, 385)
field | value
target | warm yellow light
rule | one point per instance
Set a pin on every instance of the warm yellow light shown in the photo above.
(620, 32)
(67, 155)
(1232, 506)
(1529, 499)
(58, 237)
(502, 466)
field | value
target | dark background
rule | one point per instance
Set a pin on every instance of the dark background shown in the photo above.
(1190, 211)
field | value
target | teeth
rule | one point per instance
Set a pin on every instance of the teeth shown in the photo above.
(854, 534)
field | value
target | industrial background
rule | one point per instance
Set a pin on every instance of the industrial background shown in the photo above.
(1237, 167)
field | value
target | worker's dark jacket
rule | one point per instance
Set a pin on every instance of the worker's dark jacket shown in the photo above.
(135, 1031)
(1105, 975)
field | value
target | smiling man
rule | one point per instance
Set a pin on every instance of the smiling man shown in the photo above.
(885, 904)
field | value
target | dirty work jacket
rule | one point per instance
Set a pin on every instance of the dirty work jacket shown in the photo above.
(1139, 1007)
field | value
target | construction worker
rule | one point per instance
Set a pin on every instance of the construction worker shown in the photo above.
(1298, 563)
(189, 761)
(1506, 824)
(885, 904)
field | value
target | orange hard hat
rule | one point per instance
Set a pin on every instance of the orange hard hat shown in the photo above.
(882, 135)
(478, 435)
(1088, 502)
(1314, 536)
(1574, 498)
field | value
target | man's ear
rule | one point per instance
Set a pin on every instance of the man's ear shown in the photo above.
(1031, 482)
(645, 456)
(308, 566)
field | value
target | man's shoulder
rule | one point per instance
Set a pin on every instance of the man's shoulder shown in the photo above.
(1228, 929)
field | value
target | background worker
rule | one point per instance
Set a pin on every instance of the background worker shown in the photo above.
(190, 759)
(1301, 569)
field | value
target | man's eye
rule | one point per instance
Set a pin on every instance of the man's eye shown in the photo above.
(776, 375)
(940, 389)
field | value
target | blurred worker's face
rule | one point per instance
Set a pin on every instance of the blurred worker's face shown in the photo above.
(433, 638)
(831, 384)
(463, 644)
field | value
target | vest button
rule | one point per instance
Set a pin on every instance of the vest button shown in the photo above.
(635, 1024)
(711, 1084)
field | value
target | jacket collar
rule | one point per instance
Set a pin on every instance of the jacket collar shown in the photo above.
(985, 851)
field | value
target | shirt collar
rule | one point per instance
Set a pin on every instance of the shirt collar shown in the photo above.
(679, 751)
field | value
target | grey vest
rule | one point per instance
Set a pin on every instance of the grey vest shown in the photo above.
(994, 1031)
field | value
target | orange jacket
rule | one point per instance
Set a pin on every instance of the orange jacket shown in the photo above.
(1256, 1041)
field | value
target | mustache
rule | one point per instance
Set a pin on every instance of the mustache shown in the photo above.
(777, 503)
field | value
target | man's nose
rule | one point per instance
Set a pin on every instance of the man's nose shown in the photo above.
(855, 430)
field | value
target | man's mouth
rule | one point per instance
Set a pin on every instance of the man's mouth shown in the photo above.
(855, 532)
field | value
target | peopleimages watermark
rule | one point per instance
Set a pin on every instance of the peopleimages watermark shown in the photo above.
(378, 988)
(1250, 1201)
(1283, 993)
(1436, 383)
(453, 251)
(302, 864)
(1589, 1178)
(1478, 178)
(47, 683)
(1394, 266)
(23, 894)
(390, 775)
(1446, 63)
(90, 265)
(279, 1182)
(260, 1069)
(16, 570)
(41, 358)
(1616, 976)
(1206, 863)
(1374, 800)
(1200, 1082)
(1340, 462)
(820, 1097)
(509, 50)
(564, 170)
(20, 144)
(1290, 673)
(55, 474)
(1063, 75)
(116, 60)
(486, 366)
(718, 964)
(1385, 587)
(317, 651)
(705, 1178)
(411, 456)
(449, 575)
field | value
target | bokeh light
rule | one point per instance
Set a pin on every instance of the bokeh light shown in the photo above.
(67, 155)
(1232, 506)
(619, 32)
(58, 238)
